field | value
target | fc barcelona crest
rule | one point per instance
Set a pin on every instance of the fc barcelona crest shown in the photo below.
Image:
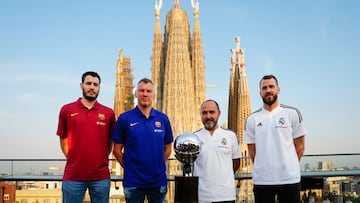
(158, 124)
(101, 116)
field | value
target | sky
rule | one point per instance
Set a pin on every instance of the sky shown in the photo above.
(312, 46)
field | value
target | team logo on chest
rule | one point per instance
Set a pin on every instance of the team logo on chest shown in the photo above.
(157, 125)
(101, 116)
(224, 144)
(224, 141)
(281, 123)
(74, 114)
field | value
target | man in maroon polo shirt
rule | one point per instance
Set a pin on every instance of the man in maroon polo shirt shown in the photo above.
(85, 128)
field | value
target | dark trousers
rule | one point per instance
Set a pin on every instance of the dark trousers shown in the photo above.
(285, 193)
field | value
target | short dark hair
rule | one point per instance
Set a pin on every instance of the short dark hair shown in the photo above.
(91, 73)
(267, 77)
(145, 80)
(210, 100)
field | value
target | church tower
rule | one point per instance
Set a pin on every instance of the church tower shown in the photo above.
(124, 98)
(178, 68)
(239, 109)
(239, 95)
(197, 61)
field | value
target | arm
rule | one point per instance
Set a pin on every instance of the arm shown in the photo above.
(252, 151)
(111, 130)
(167, 151)
(110, 145)
(299, 146)
(117, 152)
(64, 144)
(236, 164)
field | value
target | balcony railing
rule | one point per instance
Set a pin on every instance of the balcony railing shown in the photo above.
(324, 176)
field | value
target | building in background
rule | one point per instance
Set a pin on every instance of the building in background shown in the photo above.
(123, 101)
(7, 191)
(124, 97)
(178, 73)
(326, 165)
(178, 69)
(238, 110)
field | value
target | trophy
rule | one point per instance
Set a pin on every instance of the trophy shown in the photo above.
(187, 147)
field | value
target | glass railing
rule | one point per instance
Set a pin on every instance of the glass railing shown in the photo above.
(325, 177)
(331, 178)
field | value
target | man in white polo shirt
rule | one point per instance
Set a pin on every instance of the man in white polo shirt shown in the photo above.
(219, 158)
(275, 136)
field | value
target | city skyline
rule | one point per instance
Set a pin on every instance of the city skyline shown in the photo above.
(310, 46)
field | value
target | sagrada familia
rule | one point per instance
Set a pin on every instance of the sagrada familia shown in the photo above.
(178, 73)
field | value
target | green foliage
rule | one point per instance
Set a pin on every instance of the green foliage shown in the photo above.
(129, 102)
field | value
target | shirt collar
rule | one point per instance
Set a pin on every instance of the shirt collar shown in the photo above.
(95, 106)
(140, 114)
(276, 108)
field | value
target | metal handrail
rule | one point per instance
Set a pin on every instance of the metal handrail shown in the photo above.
(238, 176)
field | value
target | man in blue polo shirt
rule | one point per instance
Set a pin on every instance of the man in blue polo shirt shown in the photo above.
(142, 144)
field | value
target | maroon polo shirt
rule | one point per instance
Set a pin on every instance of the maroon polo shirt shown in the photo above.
(88, 132)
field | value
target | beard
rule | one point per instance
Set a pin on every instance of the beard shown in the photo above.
(88, 97)
(270, 100)
(210, 125)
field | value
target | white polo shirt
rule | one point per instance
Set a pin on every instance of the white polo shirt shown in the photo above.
(214, 165)
(273, 133)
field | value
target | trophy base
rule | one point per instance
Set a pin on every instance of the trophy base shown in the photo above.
(186, 189)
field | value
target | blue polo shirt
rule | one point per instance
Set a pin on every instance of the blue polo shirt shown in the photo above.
(143, 139)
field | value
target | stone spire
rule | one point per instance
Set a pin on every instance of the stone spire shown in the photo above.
(177, 73)
(239, 95)
(177, 4)
(197, 62)
(124, 99)
(157, 57)
(239, 109)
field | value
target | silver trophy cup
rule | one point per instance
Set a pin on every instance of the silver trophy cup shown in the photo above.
(187, 147)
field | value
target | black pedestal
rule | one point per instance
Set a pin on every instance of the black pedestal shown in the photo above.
(186, 189)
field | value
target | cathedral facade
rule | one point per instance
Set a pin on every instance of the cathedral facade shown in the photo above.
(178, 69)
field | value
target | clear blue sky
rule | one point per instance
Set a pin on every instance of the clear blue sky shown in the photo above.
(311, 45)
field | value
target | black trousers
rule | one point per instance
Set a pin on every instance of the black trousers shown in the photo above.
(285, 193)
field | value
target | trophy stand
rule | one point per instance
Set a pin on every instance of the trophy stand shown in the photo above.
(187, 148)
(186, 186)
